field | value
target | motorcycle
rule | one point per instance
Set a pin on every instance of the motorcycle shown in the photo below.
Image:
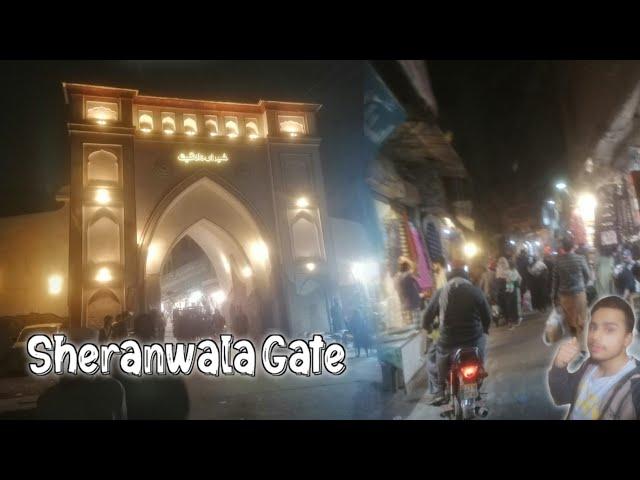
(466, 375)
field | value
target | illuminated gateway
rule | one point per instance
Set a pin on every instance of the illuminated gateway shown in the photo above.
(241, 182)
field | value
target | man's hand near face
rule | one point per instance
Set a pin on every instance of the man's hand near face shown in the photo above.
(566, 353)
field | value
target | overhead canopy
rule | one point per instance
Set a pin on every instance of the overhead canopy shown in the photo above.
(414, 142)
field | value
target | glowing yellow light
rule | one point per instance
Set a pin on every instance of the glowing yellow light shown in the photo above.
(168, 131)
(191, 133)
(145, 129)
(104, 275)
(253, 136)
(302, 202)
(213, 134)
(55, 284)
(259, 251)
(152, 253)
(470, 249)
(232, 135)
(225, 263)
(101, 122)
(103, 196)
(293, 134)
(587, 204)
(310, 266)
(247, 272)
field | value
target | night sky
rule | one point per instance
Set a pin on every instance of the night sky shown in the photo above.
(507, 127)
(34, 152)
(503, 115)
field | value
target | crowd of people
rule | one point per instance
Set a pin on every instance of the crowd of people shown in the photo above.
(571, 279)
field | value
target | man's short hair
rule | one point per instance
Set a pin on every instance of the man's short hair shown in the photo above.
(617, 303)
(567, 244)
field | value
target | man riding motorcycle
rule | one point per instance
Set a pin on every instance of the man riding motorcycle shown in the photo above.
(465, 317)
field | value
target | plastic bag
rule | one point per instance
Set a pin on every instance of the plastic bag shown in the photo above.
(526, 302)
(554, 327)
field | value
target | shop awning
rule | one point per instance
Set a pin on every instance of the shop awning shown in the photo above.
(414, 142)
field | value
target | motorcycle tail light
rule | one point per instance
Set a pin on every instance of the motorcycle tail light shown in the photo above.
(469, 372)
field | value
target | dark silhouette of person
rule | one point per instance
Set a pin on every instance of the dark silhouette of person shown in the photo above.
(83, 397)
(218, 323)
(361, 332)
(105, 331)
(240, 322)
(152, 397)
(337, 317)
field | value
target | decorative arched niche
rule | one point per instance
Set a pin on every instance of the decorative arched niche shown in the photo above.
(306, 237)
(102, 303)
(103, 238)
(102, 166)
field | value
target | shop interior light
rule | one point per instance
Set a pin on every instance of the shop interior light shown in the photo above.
(101, 121)
(310, 266)
(561, 186)
(364, 271)
(551, 202)
(470, 249)
(219, 296)
(512, 242)
(195, 297)
(246, 272)
(232, 135)
(587, 204)
(168, 131)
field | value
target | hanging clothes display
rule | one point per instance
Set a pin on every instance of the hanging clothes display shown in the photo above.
(423, 272)
(393, 243)
(607, 235)
(434, 245)
(410, 248)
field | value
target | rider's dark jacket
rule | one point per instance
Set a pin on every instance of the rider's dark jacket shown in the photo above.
(467, 318)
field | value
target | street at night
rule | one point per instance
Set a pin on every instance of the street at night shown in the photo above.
(302, 239)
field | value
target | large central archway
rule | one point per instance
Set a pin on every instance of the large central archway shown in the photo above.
(229, 233)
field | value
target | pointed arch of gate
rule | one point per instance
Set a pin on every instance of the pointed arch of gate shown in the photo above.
(219, 194)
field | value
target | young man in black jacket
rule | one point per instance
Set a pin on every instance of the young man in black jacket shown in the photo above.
(465, 317)
(607, 385)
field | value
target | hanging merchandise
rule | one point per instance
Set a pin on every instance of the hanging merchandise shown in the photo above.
(577, 229)
(607, 235)
(393, 243)
(434, 245)
(624, 211)
(632, 201)
(423, 272)
(410, 251)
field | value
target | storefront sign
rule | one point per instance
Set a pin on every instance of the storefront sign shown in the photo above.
(199, 157)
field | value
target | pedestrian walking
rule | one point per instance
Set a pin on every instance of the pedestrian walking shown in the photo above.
(570, 277)
(361, 332)
(538, 281)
